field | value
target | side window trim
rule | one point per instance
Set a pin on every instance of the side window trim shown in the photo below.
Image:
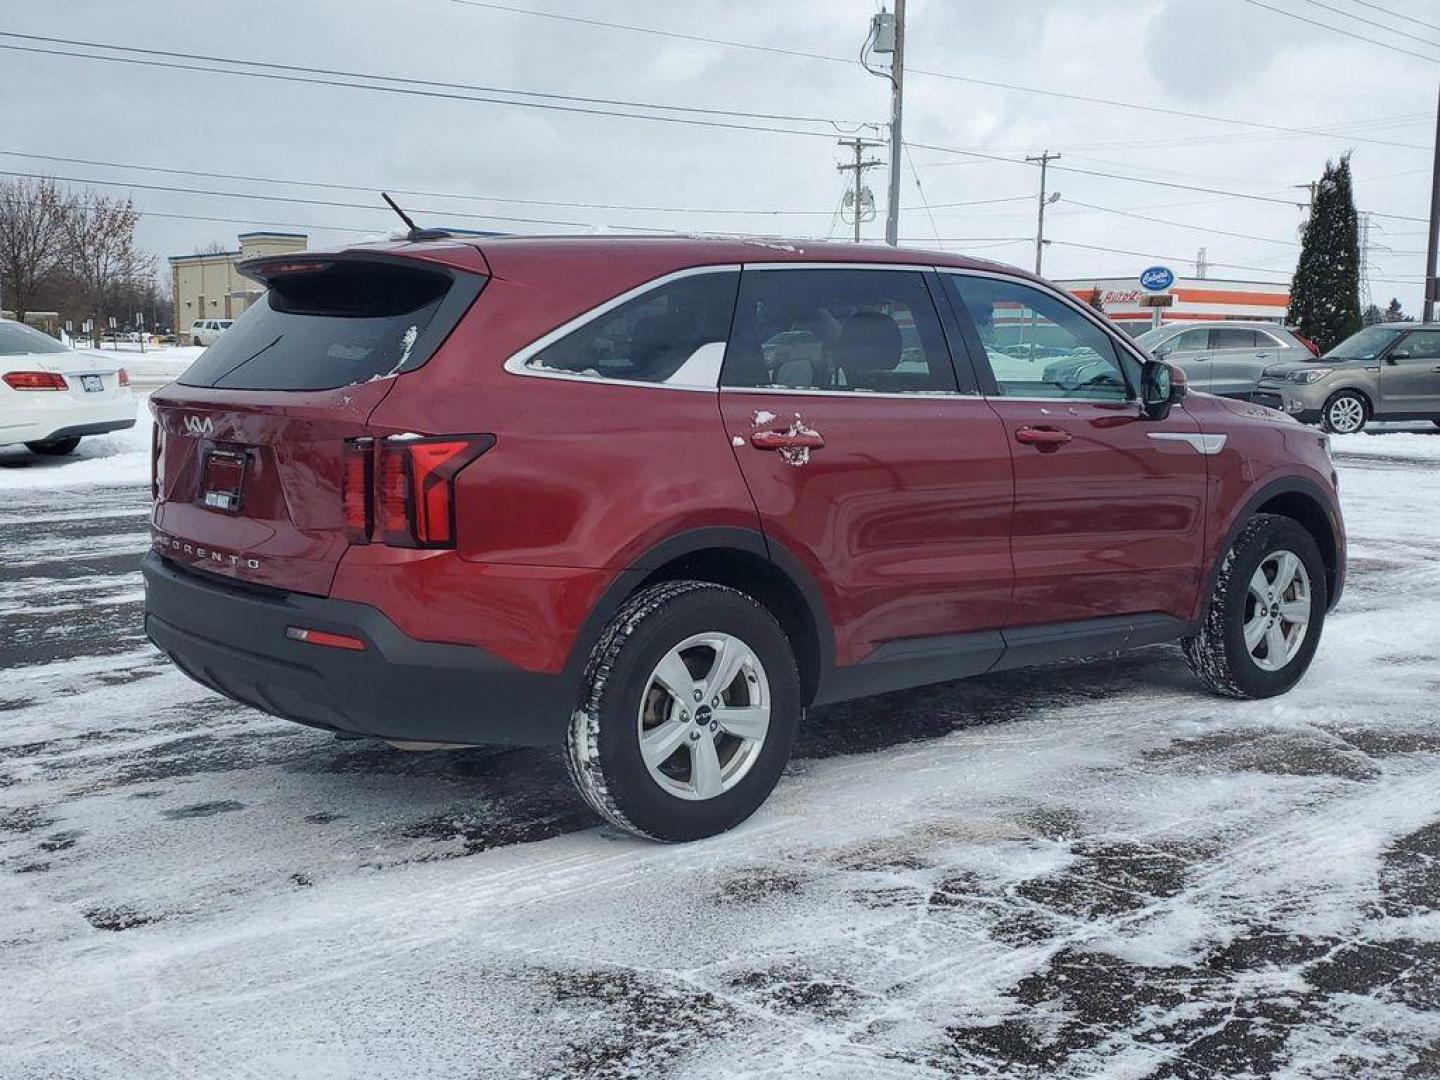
(518, 363)
(1123, 344)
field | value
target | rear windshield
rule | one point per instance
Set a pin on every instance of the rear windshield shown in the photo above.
(347, 322)
(17, 339)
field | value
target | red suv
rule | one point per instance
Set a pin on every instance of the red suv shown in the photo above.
(650, 499)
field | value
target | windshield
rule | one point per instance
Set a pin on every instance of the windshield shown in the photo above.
(17, 339)
(1366, 345)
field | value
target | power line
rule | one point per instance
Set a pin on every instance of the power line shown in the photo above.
(1396, 14)
(411, 91)
(832, 58)
(1141, 180)
(1179, 224)
(1341, 30)
(436, 83)
(1409, 34)
(372, 188)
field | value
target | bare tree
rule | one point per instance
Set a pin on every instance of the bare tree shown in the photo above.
(32, 239)
(100, 238)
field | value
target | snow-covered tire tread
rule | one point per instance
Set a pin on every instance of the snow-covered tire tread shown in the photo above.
(582, 742)
(1207, 653)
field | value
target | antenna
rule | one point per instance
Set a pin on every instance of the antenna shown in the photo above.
(415, 232)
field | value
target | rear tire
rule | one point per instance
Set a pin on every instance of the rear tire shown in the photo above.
(1345, 413)
(54, 448)
(1280, 605)
(653, 758)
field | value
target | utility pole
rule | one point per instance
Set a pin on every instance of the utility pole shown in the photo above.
(897, 108)
(858, 168)
(1432, 282)
(1366, 298)
(1202, 263)
(1044, 162)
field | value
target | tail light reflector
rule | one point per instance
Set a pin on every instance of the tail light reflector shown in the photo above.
(408, 488)
(324, 637)
(124, 377)
(33, 380)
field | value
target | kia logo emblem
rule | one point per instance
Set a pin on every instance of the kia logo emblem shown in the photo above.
(199, 425)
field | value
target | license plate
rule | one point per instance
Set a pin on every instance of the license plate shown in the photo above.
(223, 480)
(91, 384)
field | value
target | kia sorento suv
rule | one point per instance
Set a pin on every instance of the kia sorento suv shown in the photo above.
(649, 500)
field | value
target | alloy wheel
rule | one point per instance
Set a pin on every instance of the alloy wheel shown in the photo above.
(1346, 414)
(1277, 610)
(704, 716)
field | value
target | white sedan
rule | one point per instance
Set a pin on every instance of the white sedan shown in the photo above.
(51, 395)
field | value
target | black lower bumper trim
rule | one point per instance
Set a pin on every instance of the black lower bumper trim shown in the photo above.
(77, 430)
(233, 641)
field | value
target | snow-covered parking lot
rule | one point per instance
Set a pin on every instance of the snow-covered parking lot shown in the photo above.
(1087, 871)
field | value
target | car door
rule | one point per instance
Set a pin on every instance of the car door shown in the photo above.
(1189, 350)
(1237, 356)
(868, 459)
(1109, 505)
(1410, 376)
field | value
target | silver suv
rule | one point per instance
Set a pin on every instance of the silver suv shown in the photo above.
(1224, 358)
(1385, 372)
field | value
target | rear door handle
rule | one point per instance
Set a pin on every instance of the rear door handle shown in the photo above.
(1436, 370)
(784, 440)
(1043, 437)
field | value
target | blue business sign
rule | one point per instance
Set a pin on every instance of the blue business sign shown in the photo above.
(1157, 278)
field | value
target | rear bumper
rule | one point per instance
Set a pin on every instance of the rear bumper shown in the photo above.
(232, 639)
(35, 417)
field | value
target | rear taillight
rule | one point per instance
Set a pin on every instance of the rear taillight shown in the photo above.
(157, 450)
(33, 380)
(358, 489)
(124, 377)
(401, 492)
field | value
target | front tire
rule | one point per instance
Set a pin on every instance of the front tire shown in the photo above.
(688, 713)
(1345, 413)
(54, 448)
(1266, 611)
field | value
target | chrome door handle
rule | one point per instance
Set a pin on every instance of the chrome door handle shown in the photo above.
(785, 440)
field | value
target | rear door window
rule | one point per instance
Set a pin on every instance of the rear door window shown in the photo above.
(326, 325)
(857, 331)
(1225, 337)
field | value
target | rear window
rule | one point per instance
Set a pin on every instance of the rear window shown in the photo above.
(17, 339)
(346, 322)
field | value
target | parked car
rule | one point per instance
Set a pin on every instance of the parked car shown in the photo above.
(52, 396)
(208, 331)
(1390, 371)
(650, 500)
(1224, 358)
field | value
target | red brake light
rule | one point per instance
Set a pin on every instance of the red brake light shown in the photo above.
(124, 377)
(34, 380)
(412, 487)
(356, 490)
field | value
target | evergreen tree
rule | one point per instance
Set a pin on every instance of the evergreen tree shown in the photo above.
(1097, 299)
(1325, 298)
(1395, 313)
(1372, 315)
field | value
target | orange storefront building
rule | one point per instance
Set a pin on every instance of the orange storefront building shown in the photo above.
(1195, 298)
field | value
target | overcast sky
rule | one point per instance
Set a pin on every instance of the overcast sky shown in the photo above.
(1227, 58)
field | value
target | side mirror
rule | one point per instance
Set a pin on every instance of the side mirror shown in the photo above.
(1399, 354)
(1162, 387)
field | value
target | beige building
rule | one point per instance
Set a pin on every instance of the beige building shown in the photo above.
(210, 286)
